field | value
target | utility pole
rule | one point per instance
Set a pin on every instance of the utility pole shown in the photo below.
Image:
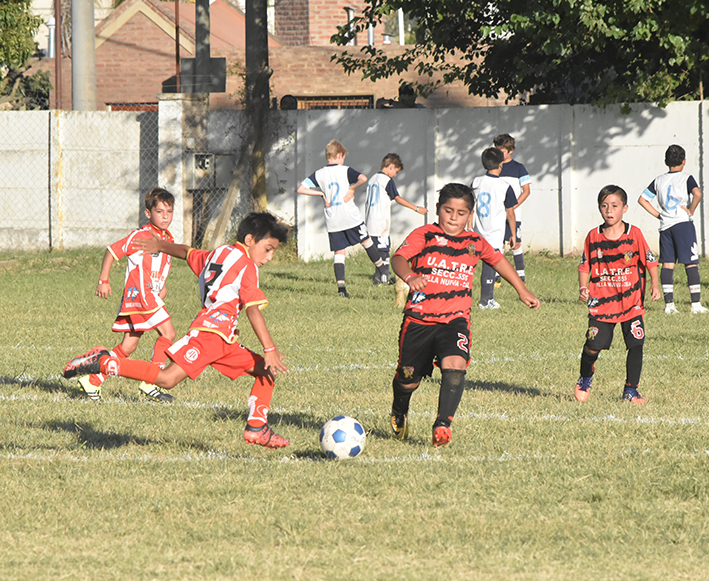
(83, 52)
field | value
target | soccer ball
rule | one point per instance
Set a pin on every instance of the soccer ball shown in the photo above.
(342, 437)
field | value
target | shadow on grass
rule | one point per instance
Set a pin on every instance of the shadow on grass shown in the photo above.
(90, 438)
(48, 386)
(303, 420)
(500, 386)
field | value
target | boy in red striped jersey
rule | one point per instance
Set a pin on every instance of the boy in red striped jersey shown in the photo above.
(142, 308)
(613, 265)
(437, 261)
(228, 281)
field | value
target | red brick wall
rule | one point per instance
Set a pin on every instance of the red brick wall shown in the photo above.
(292, 27)
(326, 16)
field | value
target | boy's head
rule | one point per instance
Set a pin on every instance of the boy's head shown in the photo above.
(610, 190)
(261, 233)
(391, 165)
(674, 156)
(492, 158)
(455, 204)
(504, 141)
(612, 204)
(159, 208)
(334, 149)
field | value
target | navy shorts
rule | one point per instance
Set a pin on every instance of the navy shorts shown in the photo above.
(508, 232)
(382, 244)
(599, 335)
(679, 244)
(420, 345)
(346, 238)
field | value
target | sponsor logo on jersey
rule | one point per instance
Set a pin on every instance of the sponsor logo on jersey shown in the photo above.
(441, 240)
(592, 332)
(192, 354)
(599, 254)
(219, 317)
(592, 302)
(418, 297)
(132, 293)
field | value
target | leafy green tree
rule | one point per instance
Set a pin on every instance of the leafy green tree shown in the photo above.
(576, 51)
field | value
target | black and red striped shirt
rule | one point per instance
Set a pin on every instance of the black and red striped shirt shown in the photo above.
(447, 262)
(616, 284)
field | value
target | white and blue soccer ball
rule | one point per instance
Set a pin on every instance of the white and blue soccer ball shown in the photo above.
(342, 437)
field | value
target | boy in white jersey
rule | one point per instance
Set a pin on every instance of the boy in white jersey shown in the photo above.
(493, 211)
(515, 174)
(336, 184)
(678, 196)
(381, 190)
(142, 308)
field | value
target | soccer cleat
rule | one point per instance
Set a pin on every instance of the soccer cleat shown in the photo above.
(91, 390)
(697, 308)
(342, 291)
(583, 388)
(376, 280)
(264, 436)
(86, 363)
(670, 309)
(384, 279)
(441, 436)
(633, 396)
(153, 392)
(400, 426)
(491, 304)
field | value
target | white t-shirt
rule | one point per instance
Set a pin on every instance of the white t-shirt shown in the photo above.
(334, 180)
(493, 196)
(672, 190)
(381, 190)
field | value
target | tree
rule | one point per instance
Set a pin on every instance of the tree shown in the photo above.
(575, 51)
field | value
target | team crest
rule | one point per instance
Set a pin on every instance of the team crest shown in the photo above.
(407, 372)
(591, 333)
(471, 249)
(628, 256)
(192, 355)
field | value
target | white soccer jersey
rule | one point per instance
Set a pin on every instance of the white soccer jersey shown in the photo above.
(515, 174)
(673, 191)
(492, 197)
(381, 190)
(334, 180)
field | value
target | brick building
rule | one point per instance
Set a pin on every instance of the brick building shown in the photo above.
(135, 55)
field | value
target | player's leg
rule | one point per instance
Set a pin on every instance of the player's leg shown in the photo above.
(668, 258)
(339, 264)
(373, 254)
(91, 383)
(487, 288)
(452, 347)
(166, 335)
(415, 361)
(518, 253)
(599, 336)
(381, 274)
(695, 288)
(634, 334)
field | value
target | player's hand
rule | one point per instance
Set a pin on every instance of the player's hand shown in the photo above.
(583, 295)
(422, 210)
(324, 199)
(655, 293)
(273, 363)
(348, 196)
(417, 282)
(514, 245)
(103, 290)
(530, 300)
(687, 210)
(147, 245)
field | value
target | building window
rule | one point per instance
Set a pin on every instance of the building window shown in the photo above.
(334, 102)
(132, 106)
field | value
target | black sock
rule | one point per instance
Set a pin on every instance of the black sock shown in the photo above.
(373, 254)
(694, 282)
(452, 384)
(633, 366)
(519, 263)
(667, 282)
(587, 361)
(340, 273)
(402, 397)
(487, 283)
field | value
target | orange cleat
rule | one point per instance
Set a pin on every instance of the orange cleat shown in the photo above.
(86, 363)
(631, 394)
(264, 436)
(441, 436)
(583, 388)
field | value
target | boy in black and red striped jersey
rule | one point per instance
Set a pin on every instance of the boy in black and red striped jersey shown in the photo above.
(228, 281)
(614, 262)
(142, 308)
(437, 261)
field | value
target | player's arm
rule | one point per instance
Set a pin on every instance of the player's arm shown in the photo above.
(361, 180)
(272, 356)
(512, 221)
(154, 244)
(507, 271)
(103, 289)
(655, 293)
(163, 292)
(645, 203)
(583, 286)
(696, 198)
(403, 270)
(526, 190)
(418, 209)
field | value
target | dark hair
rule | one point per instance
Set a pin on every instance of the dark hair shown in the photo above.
(458, 191)
(262, 225)
(674, 156)
(504, 140)
(492, 158)
(392, 159)
(610, 190)
(158, 195)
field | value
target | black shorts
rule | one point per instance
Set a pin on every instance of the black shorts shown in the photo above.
(508, 232)
(346, 238)
(600, 334)
(420, 345)
(679, 244)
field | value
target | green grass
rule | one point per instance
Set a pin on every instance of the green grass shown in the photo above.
(533, 486)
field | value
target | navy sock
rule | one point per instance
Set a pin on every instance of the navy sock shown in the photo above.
(487, 283)
(694, 282)
(667, 281)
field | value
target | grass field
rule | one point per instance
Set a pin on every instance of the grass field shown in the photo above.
(533, 486)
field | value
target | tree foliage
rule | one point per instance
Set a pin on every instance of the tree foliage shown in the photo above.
(576, 51)
(18, 26)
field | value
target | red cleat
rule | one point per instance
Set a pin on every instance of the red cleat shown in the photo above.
(86, 363)
(441, 436)
(264, 436)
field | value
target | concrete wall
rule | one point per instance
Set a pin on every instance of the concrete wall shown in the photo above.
(85, 173)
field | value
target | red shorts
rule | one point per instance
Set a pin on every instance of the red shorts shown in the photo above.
(140, 322)
(200, 349)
